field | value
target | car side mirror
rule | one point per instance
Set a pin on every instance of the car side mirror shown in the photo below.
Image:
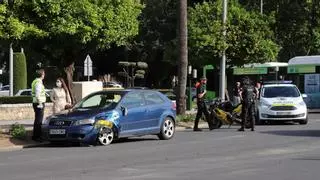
(304, 96)
(124, 111)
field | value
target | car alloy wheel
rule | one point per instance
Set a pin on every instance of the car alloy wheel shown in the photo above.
(167, 129)
(106, 136)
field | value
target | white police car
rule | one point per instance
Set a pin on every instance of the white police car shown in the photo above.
(281, 101)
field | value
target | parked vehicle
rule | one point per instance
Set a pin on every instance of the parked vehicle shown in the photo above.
(28, 92)
(224, 113)
(282, 101)
(4, 90)
(104, 116)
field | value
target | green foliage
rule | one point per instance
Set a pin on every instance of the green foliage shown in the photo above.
(249, 36)
(18, 99)
(18, 131)
(186, 118)
(210, 95)
(19, 72)
(103, 22)
(12, 27)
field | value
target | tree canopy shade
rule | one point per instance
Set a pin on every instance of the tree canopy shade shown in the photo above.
(249, 36)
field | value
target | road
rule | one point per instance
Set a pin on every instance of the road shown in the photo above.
(271, 152)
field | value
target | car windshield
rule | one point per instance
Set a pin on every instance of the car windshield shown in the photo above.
(280, 91)
(100, 100)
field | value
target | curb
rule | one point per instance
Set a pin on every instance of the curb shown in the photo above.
(19, 147)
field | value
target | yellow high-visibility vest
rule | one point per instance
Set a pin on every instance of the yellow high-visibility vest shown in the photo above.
(42, 98)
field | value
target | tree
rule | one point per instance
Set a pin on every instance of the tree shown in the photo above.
(19, 72)
(183, 58)
(78, 27)
(249, 36)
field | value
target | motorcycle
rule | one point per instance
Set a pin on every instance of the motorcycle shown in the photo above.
(224, 113)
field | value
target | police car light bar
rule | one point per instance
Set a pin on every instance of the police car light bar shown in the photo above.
(277, 82)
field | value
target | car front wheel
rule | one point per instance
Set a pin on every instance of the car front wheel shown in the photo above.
(303, 122)
(105, 136)
(167, 129)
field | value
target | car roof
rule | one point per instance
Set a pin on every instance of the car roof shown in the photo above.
(279, 85)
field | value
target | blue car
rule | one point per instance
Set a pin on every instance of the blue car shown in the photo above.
(104, 116)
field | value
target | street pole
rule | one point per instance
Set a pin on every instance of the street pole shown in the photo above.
(261, 6)
(223, 60)
(11, 70)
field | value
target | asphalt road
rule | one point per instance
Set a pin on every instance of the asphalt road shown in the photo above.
(272, 152)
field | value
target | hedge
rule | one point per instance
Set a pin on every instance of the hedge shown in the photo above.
(17, 99)
(19, 72)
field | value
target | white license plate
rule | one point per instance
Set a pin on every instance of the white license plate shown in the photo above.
(283, 113)
(57, 131)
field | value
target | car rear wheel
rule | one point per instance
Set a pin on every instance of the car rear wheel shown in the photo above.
(105, 136)
(167, 129)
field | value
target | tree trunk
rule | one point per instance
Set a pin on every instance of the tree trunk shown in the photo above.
(69, 73)
(183, 58)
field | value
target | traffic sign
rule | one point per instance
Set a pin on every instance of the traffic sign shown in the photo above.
(88, 66)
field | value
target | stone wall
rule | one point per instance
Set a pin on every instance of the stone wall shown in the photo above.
(21, 111)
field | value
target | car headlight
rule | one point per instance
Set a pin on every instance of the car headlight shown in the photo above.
(302, 103)
(265, 104)
(46, 121)
(83, 122)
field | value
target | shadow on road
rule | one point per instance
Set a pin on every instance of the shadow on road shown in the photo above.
(305, 133)
(71, 144)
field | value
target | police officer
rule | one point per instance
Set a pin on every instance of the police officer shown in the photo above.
(247, 98)
(202, 108)
(38, 102)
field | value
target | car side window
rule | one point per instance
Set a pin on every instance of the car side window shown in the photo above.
(26, 93)
(133, 100)
(153, 98)
(93, 101)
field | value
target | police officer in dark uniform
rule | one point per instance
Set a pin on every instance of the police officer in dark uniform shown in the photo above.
(247, 98)
(202, 108)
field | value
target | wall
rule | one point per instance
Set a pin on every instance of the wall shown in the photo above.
(21, 111)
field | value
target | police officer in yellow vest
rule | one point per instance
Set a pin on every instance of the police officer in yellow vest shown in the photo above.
(38, 101)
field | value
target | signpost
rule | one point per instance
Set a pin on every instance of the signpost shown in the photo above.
(88, 67)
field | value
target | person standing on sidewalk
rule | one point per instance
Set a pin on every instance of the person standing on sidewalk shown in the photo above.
(38, 101)
(247, 97)
(236, 94)
(60, 97)
(202, 108)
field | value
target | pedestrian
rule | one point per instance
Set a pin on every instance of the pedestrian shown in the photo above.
(236, 94)
(38, 102)
(247, 98)
(60, 96)
(202, 108)
(256, 94)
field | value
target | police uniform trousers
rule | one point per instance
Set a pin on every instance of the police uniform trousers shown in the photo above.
(247, 114)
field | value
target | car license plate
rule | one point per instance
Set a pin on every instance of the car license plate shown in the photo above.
(283, 113)
(57, 131)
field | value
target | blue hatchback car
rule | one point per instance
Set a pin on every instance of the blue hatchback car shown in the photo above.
(104, 116)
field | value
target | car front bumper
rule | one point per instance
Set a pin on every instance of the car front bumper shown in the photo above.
(83, 133)
(290, 115)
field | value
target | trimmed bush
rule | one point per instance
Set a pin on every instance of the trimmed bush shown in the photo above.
(19, 72)
(17, 100)
(18, 131)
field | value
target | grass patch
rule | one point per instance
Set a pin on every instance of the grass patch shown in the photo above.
(186, 118)
(18, 131)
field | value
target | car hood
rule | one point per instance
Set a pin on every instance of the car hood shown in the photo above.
(76, 114)
(285, 101)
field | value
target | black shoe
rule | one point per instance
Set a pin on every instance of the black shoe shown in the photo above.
(241, 129)
(211, 128)
(252, 129)
(197, 129)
